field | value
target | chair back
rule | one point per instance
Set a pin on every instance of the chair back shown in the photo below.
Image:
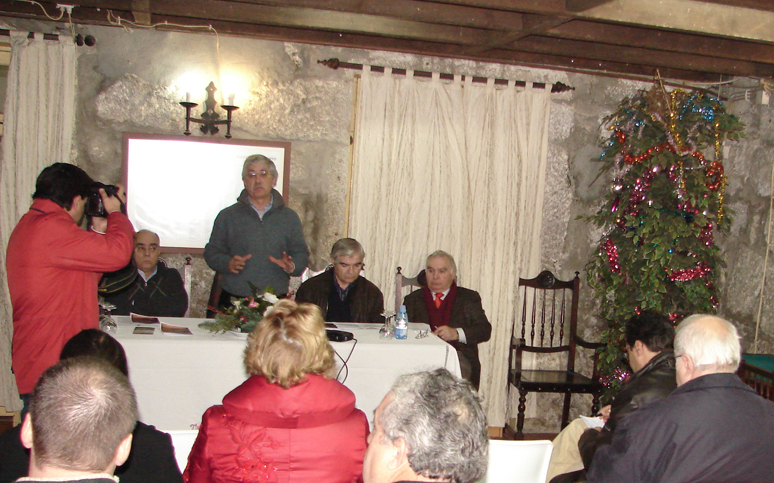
(548, 319)
(183, 441)
(186, 273)
(402, 281)
(518, 461)
(759, 379)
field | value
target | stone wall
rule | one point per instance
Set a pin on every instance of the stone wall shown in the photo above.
(130, 82)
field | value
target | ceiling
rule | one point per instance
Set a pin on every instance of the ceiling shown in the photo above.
(690, 40)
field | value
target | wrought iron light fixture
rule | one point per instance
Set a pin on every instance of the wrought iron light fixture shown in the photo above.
(210, 119)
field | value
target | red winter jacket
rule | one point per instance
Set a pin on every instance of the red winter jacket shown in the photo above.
(53, 270)
(262, 432)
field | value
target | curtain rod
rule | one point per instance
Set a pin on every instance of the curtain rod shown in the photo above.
(334, 64)
(80, 40)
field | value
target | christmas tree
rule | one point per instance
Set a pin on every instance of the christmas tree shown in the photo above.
(657, 250)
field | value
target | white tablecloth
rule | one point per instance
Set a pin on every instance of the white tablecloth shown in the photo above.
(177, 377)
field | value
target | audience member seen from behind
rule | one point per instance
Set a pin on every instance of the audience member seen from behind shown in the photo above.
(157, 290)
(340, 292)
(79, 428)
(289, 421)
(649, 337)
(54, 267)
(152, 459)
(713, 427)
(429, 427)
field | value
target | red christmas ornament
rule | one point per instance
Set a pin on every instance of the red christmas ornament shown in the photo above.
(611, 251)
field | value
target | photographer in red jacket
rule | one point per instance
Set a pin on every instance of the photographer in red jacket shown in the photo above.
(54, 266)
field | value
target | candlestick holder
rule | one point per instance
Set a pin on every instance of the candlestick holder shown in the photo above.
(210, 119)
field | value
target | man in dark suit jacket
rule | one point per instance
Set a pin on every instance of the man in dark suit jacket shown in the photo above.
(454, 313)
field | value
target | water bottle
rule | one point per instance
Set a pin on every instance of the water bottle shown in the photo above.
(401, 324)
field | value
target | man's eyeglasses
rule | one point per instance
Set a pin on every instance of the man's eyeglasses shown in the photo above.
(146, 249)
(262, 174)
(346, 266)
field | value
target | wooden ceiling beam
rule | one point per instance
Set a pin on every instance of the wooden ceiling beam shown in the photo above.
(654, 59)
(206, 10)
(583, 5)
(539, 27)
(754, 4)
(627, 36)
(141, 11)
(417, 10)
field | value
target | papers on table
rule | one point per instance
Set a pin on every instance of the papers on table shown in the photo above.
(166, 328)
(141, 330)
(143, 319)
(595, 422)
(174, 329)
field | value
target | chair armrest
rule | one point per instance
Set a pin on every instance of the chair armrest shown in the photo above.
(514, 355)
(595, 346)
(589, 345)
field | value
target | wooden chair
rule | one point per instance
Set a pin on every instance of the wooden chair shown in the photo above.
(215, 291)
(402, 281)
(549, 322)
(759, 379)
(186, 273)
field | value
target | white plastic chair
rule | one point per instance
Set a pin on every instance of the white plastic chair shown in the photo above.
(183, 441)
(518, 461)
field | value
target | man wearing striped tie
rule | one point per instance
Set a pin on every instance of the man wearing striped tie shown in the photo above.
(454, 313)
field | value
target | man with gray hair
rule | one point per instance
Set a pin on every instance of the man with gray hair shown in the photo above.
(258, 240)
(455, 314)
(79, 428)
(713, 427)
(429, 427)
(340, 292)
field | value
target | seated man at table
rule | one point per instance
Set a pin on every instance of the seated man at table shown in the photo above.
(713, 427)
(649, 338)
(340, 292)
(152, 459)
(454, 313)
(157, 290)
(79, 428)
(429, 427)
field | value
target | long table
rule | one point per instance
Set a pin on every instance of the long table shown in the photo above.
(177, 377)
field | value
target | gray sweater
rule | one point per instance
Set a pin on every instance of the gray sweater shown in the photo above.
(239, 231)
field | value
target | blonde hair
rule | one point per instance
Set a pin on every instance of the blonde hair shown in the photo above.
(289, 343)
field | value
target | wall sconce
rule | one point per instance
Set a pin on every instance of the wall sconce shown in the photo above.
(209, 120)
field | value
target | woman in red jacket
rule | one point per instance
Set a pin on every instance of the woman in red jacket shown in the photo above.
(289, 422)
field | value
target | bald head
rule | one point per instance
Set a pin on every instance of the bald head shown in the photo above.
(146, 251)
(706, 344)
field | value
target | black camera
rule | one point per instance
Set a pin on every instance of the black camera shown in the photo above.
(94, 206)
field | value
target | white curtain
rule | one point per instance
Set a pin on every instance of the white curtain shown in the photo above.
(38, 127)
(458, 167)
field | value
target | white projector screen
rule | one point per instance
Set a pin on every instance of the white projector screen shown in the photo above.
(177, 185)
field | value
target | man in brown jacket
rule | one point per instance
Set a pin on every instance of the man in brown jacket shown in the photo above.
(454, 313)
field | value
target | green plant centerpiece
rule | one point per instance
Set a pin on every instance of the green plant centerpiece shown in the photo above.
(244, 313)
(657, 250)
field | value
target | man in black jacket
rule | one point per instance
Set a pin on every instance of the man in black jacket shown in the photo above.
(649, 339)
(157, 290)
(342, 294)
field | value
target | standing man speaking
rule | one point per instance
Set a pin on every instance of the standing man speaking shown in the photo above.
(54, 267)
(258, 239)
